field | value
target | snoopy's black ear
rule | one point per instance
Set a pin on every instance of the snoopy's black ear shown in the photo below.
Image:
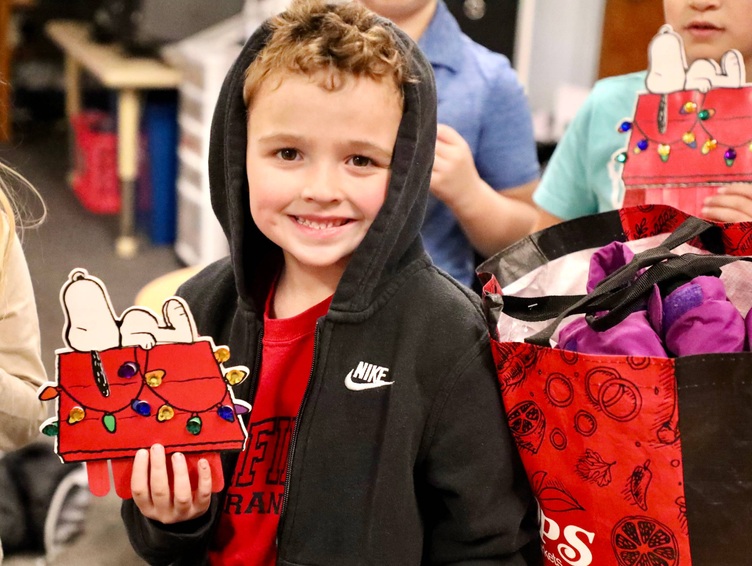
(78, 274)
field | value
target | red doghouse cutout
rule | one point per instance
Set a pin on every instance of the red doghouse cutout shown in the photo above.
(706, 143)
(690, 133)
(113, 402)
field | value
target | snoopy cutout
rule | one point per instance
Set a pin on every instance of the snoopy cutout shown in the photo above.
(668, 71)
(126, 383)
(91, 324)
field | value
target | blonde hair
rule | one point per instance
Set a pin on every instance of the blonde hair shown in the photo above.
(340, 40)
(16, 214)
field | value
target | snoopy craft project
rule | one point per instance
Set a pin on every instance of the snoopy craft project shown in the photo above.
(127, 383)
(692, 130)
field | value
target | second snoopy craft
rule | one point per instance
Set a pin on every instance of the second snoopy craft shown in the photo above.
(691, 131)
(126, 383)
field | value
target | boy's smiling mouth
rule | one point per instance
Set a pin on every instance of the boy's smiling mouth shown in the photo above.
(321, 223)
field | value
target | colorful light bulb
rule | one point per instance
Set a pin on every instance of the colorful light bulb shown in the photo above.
(76, 415)
(226, 413)
(688, 107)
(194, 425)
(109, 422)
(729, 156)
(689, 139)
(49, 393)
(709, 146)
(141, 407)
(51, 429)
(165, 413)
(222, 354)
(241, 409)
(664, 151)
(154, 377)
(128, 370)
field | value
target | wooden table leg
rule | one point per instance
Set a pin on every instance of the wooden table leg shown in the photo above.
(129, 116)
(72, 87)
(72, 108)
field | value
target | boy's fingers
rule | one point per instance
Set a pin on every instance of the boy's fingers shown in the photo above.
(204, 490)
(442, 149)
(140, 480)
(160, 485)
(721, 214)
(447, 149)
(727, 208)
(740, 189)
(446, 133)
(182, 495)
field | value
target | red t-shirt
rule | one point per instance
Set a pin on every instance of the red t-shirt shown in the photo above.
(250, 514)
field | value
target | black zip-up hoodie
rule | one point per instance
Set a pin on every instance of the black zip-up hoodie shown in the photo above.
(422, 471)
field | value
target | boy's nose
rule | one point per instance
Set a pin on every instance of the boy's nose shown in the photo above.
(703, 4)
(323, 185)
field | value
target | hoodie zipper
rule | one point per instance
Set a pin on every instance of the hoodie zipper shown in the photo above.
(256, 365)
(294, 438)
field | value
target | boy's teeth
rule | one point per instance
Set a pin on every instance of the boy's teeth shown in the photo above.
(319, 225)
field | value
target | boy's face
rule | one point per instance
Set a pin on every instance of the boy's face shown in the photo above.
(318, 164)
(709, 28)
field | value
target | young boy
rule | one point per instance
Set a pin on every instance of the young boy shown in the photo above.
(486, 166)
(377, 434)
(578, 181)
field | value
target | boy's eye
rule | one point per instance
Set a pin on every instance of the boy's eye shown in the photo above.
(361, 161)
(288, 154)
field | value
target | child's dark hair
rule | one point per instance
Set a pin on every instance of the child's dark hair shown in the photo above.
(336, 40)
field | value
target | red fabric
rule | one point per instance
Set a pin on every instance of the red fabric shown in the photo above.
(252, 506)
(650, 220)
(599, 439)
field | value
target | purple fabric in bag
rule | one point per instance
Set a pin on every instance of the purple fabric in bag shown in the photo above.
(634, 336)
(748, 325)
(698, 318)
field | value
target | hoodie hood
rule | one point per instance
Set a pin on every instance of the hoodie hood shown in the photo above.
(393, 240)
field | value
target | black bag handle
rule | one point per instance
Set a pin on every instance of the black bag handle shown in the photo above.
(621, 293)
(537, 309)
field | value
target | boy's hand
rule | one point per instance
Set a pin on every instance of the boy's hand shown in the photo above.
(732, 203)
(151, 491)
(454, 169)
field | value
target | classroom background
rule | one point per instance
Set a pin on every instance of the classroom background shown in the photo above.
(106, 107)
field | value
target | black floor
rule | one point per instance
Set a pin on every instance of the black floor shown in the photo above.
(72, 237)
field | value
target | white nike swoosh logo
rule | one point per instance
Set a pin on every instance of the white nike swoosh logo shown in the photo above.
(352, 386)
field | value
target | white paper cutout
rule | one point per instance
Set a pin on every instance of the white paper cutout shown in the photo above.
(91, 324)
(124, 383)
(668, 70)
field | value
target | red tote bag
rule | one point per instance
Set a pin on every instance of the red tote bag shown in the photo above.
(633, 460)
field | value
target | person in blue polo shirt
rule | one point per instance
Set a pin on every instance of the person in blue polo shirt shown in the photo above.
(486, 162)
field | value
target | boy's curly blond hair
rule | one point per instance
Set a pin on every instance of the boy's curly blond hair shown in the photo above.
(338, 40)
